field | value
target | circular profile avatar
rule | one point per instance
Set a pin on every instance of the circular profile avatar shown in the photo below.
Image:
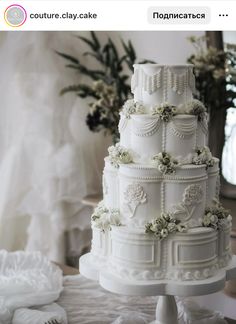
(15, 15)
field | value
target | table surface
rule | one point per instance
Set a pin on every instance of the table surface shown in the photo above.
(67, 271)
(91, 200)
(217, 299)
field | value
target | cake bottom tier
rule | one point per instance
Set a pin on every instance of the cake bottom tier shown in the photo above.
(132, 254)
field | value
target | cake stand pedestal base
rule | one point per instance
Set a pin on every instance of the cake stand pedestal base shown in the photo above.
(88, 267)
(166, 311)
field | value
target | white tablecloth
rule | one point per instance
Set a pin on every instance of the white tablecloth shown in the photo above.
(86, 303)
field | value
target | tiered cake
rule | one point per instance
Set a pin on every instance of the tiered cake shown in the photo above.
(160, 217)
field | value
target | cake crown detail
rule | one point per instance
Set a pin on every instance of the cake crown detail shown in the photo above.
(170, 83)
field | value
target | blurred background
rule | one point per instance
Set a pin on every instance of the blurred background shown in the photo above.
(57, 120)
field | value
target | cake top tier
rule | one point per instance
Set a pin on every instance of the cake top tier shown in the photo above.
(155, 84)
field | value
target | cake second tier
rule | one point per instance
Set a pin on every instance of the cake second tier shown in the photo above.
(146, 135)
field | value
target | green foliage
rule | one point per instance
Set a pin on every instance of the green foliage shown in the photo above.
(215, 72)
(109, 78)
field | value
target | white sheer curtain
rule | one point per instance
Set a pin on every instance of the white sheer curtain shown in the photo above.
(49, 160)
(229, 152)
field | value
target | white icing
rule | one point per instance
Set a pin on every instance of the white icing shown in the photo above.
(111, 192)
(134, 195)
(183, 126)
(145, 127)
(100, 244)
(154, 84)
(146, 136)
(149, 179)
(183, 256)
(162, 191)
(151, 83)
(224, 242)
(104, 186)
(142, 193)
(124, 129)
(192, 197)
(178, 82)
(213, 182)
(179, 137)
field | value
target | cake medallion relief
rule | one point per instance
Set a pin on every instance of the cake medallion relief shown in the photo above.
(192, 196)
(134, 196)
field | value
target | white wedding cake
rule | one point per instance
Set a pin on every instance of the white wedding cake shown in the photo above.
(160, 218)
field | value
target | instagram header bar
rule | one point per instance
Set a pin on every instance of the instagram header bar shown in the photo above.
(117, 15)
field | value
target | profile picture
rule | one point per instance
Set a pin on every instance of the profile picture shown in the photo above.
(15, 15)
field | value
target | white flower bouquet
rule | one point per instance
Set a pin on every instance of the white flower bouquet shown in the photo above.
(203, 155)
(165, 111)
(197, 108)
(164, 225)
(119, 155)
(131, 107)
(104, 217)
(216, 217)
(164, 162)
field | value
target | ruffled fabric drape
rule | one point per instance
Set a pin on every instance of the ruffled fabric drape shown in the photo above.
(29, 280)
(49, 160)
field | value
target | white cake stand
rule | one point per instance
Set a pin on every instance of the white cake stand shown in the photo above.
(166, 311)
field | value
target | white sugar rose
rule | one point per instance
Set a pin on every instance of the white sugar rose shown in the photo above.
(172, 227)
(165, 111)
(164, 163)
(154, 227)
(163, 168)
(181, 228)
(164, 233)
(196, 108)
(103, 217)
(119, 155)
(131, 107)
(164, 225)
(216, 217)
